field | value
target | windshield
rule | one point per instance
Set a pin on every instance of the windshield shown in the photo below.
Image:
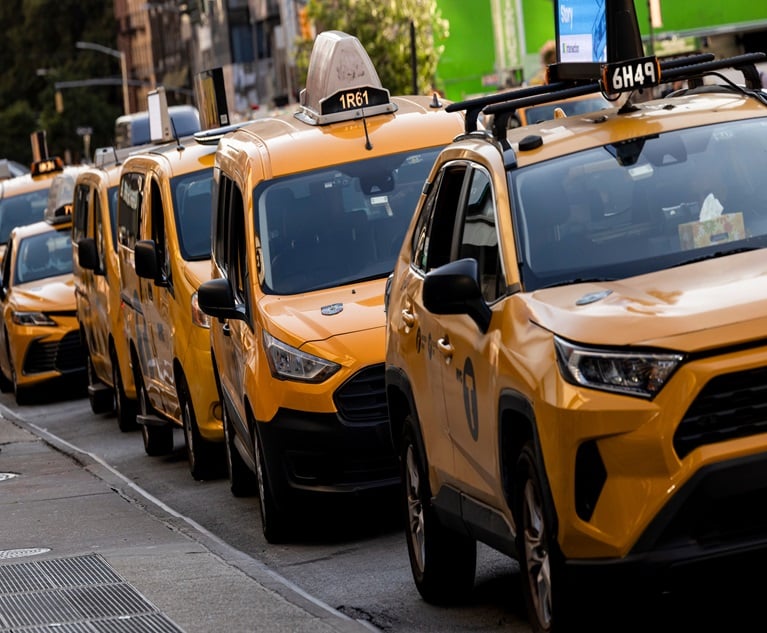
(44, 255)
(26, 208)
(192, 209)
(337, 225)
(643, 205)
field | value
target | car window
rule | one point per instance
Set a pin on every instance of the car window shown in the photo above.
(43, 255)
(192, 209)
(655, 202)
(20, 210)
(340, 224)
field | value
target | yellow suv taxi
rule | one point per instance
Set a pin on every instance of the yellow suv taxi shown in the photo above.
(309, 214)
(100, 310)
(575, 344)
(39, 333)
(164, 251)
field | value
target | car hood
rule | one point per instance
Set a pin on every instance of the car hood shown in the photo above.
(689, 308)
(46, 295)
(318, 316)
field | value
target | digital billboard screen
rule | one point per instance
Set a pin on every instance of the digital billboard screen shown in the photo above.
(581, 30)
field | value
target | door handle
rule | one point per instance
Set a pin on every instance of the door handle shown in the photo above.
(445, 348)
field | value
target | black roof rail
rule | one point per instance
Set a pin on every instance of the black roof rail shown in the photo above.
(501, 105)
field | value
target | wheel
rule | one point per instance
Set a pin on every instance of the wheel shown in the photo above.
(125, 407)
(243, 481)
(158, 439)
(443, 561)
(206, 460)
(101, 398)
(539, 563)
(23, 395)
(6, 384)
(274, 514)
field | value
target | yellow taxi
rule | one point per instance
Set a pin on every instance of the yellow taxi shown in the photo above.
(39, 337)
(575, 349)
(97, 288)
(23, 200)
(310, 210)
(164, 254)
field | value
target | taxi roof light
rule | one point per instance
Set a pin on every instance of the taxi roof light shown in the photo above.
(160, 130)
(341, 84)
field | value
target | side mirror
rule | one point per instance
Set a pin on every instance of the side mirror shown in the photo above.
(215, 299)
(145, 257)
(454, 289)
(87, 256)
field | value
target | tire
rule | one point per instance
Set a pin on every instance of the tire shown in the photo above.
(23, 395)
(6, 384)
(243, 481)
(158, 439)
(125, 407)
(102, 399)
(443, 561)
(206, 459)
(540, 561)
(275, 518)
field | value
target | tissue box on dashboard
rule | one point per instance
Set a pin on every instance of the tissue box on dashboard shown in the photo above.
(725, 228)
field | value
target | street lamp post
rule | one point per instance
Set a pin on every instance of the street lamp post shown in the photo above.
(123, 67)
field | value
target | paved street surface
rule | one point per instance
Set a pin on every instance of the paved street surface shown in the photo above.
(83, 548)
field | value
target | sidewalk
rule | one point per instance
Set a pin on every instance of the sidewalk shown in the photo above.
(83, 548)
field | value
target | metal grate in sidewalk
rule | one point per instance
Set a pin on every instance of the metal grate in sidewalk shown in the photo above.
(81, 594)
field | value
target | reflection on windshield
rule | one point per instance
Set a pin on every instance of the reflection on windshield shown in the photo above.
(337, 225)
(603, 214)
(21, 210)
(44, 255)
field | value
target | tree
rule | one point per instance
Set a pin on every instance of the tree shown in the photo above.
(384, 29)
(39, 50)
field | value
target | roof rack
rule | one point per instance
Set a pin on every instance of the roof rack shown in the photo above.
(503, 105)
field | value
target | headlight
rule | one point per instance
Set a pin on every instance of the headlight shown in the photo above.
(288, 363)
(199, 318)
(31, 318)
(633, 373)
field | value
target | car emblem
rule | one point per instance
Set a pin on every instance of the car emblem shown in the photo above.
(593, 297)
(333, 308)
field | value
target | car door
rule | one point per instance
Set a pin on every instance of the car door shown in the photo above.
(240, 335)
(419, 330)
(466, 356)
(157, 297)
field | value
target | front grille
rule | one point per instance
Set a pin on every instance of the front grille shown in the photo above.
(65, 355)
(362, 398)
(729, 406)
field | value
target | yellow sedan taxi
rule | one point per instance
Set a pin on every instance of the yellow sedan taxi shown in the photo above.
(39, 333)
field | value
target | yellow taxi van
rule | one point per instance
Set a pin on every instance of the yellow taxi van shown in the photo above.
(575, 344)
(164, 254)
(310, 209)
(100, 310)
(39, 333)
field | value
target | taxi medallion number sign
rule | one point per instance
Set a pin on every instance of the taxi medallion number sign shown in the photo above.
(353, 99)
(631, 74)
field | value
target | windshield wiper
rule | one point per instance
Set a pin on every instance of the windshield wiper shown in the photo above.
(577, 280)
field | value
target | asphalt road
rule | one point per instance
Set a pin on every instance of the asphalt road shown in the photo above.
(353, 557)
